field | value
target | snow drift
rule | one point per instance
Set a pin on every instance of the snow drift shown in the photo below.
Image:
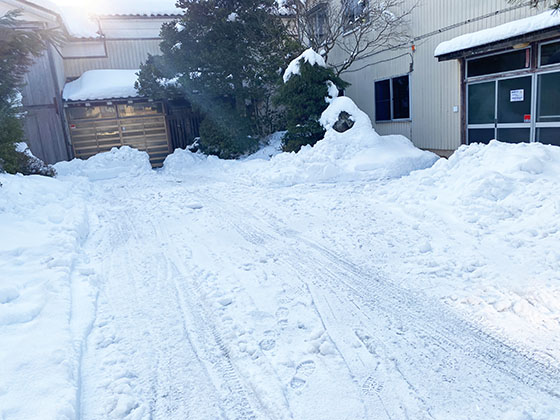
(119, 162)
(357, 154)
(42, 227)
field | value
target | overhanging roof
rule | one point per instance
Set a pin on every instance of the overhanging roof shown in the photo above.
(535, 28)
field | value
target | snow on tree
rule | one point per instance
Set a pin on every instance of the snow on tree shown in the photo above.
(224, 58)
(308, 88)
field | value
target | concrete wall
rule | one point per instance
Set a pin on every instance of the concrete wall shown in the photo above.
(435, 87)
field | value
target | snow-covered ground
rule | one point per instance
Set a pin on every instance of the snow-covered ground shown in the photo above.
(331, 284)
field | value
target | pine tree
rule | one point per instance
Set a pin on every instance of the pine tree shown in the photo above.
(303, 96)
(225, 58)
(17, 49)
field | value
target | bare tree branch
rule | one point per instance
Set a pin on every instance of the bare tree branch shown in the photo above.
(357, 28)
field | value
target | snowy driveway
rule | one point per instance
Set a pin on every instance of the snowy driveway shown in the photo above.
(203, 294)
(207, 309)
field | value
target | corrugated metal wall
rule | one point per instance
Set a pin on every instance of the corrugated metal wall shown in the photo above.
(121, 54)
(43, 125)
(435, 87)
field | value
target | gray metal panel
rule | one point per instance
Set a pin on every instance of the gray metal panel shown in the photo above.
(121, 54)
(435, 87)
(44, 135)
(41, 100)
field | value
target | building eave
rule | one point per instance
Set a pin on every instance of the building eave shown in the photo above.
(536, 36)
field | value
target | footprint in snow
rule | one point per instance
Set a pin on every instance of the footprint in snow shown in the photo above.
(269, 342)
(303, 371)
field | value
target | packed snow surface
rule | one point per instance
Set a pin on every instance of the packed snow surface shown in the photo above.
(344, 290)
(546, 20)
(102, 84)
(308, 56)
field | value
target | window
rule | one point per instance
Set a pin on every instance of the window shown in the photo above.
(548, 106)
(317, 21)
(500, 63)
(354, 11)
(139, 109)
(392, 99)
(550, 54)
(76, 113)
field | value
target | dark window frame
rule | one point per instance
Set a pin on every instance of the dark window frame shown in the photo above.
(540, 48)
(391, 100)
(528, 63)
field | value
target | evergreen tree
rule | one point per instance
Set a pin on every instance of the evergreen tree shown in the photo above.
(17, 49)
(304, 97)
(224, 57)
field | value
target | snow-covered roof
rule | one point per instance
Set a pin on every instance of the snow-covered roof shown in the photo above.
(546, 20)
(79, 16)
(102, 84)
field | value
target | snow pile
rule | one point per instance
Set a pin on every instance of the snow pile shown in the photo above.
(498, 209)
(182, 160)
(43, 225)
(119, 162)
(273, 147)
(357, 154)
(546, 20)
(308, 56)
(102, 84)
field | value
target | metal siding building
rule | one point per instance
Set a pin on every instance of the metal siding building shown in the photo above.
(435, 87)
(124, 43)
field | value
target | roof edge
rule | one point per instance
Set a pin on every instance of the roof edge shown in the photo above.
(540, 35)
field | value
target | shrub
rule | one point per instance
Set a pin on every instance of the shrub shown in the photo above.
(227, 141)
(303, 97)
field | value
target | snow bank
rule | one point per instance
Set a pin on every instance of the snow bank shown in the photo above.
(102, 84)
(42, 227)
(308, 56)
(358, 154)
(548, 19)
(119, 162)
(498, 208)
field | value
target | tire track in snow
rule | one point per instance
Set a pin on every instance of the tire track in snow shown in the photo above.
(439, 327)
(205, 338)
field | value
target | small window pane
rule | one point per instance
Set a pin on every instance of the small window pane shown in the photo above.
(383, 100)
(482, 103)
(140, 109)
(514, 100)
(549, 98)
(516, 60)
(549, 135)
(401, 101)
(550, 54)
(481, 135)
(514, 135)
(91, 112)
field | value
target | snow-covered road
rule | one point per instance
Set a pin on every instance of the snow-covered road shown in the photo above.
(207, 310)
(296, 288)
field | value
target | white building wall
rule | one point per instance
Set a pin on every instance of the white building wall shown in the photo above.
(435, 87)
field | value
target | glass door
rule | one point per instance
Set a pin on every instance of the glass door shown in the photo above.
(481, 112)
(500, 109)
(548, 108)
(514, 116)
